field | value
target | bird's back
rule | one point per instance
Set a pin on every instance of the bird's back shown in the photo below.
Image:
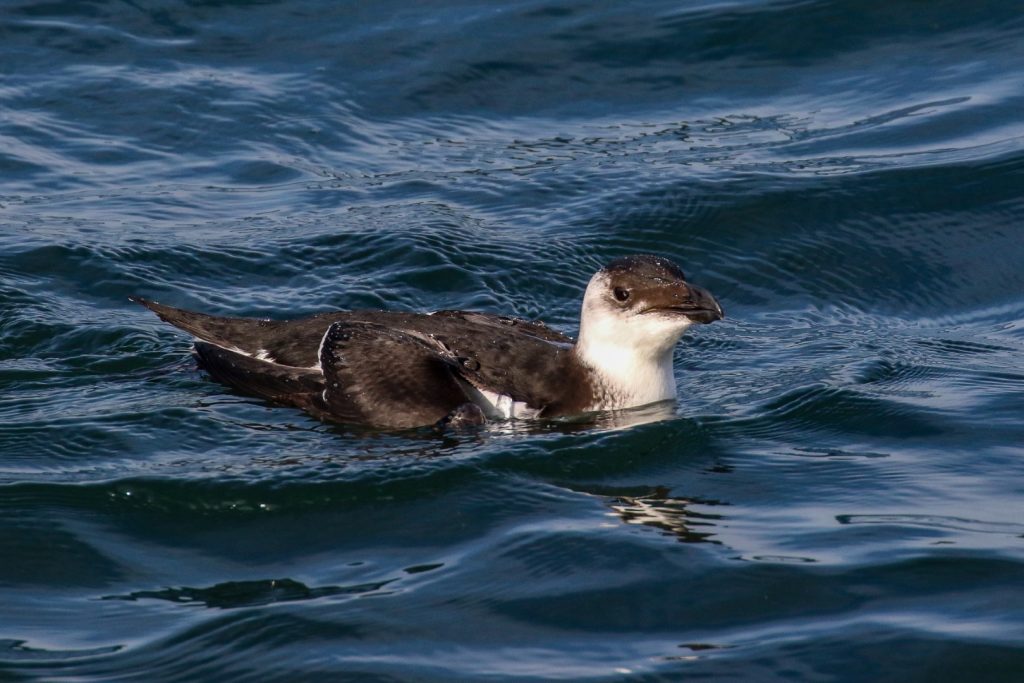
(523, 360)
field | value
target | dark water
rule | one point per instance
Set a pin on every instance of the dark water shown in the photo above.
(838, 496)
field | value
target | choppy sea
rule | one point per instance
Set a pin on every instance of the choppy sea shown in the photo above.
(838, 494)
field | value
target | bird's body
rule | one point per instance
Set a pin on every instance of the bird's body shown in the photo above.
(402, 369)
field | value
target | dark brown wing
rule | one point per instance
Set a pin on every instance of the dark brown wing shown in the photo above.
(299, 387)
(387, 378)
(525, 360)
(295, 342)
(534, 328)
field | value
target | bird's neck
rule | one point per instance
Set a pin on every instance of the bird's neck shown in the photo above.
(624, 376)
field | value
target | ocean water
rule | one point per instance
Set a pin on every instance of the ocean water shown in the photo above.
(838, 494)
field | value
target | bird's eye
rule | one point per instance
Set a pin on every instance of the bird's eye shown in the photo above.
(621, 294)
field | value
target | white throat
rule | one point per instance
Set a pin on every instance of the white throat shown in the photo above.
(627, 378)
(630, 353)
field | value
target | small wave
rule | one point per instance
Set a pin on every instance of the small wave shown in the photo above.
(936, 522)
(237, 594)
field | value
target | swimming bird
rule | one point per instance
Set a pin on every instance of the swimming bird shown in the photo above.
(393, 369)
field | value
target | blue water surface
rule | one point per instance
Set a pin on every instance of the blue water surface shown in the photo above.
(838, 494)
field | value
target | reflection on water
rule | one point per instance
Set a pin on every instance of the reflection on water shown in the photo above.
(673, 516)
(596, 422)
(634, 417)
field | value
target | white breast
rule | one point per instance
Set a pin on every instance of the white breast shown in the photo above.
(627, 379)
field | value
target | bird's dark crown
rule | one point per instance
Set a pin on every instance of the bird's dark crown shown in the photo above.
(645, 266)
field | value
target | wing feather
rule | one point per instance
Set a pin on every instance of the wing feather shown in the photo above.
(385, 377)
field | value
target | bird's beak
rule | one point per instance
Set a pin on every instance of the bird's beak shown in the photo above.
(704, 308)
(696, 303)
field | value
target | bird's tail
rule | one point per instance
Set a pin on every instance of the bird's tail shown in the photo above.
(222, 331)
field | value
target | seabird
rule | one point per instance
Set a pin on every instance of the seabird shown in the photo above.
(392, 369)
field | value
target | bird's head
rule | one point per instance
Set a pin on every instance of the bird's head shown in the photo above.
(642, 304)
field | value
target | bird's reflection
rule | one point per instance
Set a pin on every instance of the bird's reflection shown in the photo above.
(600, 421)
(671, 515)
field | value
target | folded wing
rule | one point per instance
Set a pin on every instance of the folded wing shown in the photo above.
(300, 387)
(386, 377)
